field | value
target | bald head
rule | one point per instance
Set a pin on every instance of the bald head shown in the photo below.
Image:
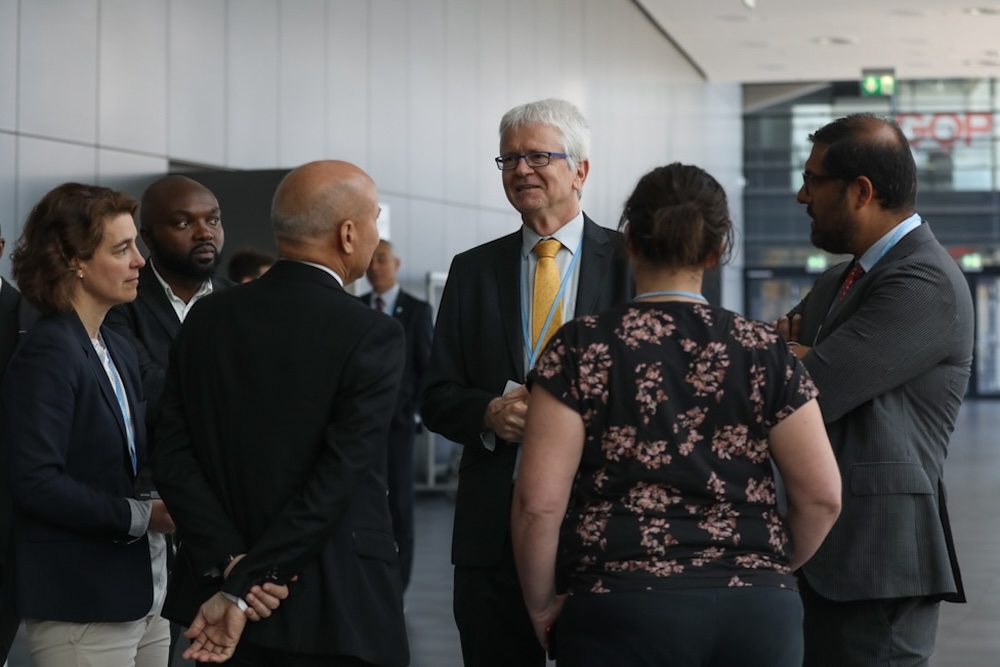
(165, 195)
(325, 212)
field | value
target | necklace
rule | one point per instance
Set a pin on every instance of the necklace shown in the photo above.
(686, 295)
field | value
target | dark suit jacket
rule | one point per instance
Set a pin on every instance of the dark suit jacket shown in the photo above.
(151, 325)
(891, 362)
(10, 302)
(418, 326)
(477, 348)
(70, 473)
(269, 441)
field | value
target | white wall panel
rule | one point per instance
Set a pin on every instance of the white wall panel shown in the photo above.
(427, 242)
(389, 94)
(252, 90)
(301, 82)
(430, 145)
(493, 93)
(57, 86)
(128, 171)
(132, 75)
(9, 224)
(463, 167)
(43, 164)
(197, 100)
(8, 64)
(347, 76)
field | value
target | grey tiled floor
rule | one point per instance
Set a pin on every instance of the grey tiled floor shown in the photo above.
(969, 634)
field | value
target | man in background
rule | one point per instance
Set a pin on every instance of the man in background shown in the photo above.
(415, 316)
(270, 451)
(248, 264)
(500, 304)
(181, 225)
(887, 338)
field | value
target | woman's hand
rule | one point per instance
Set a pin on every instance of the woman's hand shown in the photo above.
(545, 619)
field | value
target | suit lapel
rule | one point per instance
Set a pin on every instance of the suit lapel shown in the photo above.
(594, 264)
(508, 281)
(102, 377)
(154, 298)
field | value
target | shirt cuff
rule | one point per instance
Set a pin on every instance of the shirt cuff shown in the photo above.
(489, 440)
(140, 511)
(239, 602)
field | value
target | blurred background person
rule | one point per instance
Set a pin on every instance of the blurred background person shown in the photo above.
(646, 490)
(89, 557)
(248, 264)
(418, 326)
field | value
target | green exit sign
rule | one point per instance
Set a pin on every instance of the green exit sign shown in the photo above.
(876, 82)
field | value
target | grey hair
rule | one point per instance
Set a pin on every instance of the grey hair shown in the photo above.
(564, 116)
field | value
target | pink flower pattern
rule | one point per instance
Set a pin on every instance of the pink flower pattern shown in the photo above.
(644, 326)
(674, 480)
(649, 389)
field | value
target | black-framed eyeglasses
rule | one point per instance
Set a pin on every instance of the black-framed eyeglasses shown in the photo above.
(809, 180)
(533, 159)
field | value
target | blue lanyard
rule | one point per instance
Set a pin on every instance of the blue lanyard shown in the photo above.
(526, 326)
(898, 234)
(686, 295)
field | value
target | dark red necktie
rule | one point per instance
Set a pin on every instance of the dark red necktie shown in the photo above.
(380, 304)
(856, 272)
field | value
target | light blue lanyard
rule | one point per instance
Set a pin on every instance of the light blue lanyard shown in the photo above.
(526, 326)
(116, 384)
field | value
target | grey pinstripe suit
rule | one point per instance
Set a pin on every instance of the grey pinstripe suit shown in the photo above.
(892, 362)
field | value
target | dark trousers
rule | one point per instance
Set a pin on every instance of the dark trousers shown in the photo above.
(493, 622)
(399, 479)
(897, 632)
(251, 655)
(691, 627)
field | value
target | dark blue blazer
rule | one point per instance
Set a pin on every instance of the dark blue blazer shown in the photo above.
(70, 474)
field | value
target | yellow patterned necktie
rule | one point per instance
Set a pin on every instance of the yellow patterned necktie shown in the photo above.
(546, 288)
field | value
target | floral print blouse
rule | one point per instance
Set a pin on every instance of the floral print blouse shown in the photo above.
(675, 487)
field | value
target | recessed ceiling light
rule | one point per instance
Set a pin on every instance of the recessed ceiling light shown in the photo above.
(982, 11)
(834, 41)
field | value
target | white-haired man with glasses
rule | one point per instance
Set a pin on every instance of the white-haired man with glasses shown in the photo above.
(502, 301)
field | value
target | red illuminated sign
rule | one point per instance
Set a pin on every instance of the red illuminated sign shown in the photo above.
(945, 129)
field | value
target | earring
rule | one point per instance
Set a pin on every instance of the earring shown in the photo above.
(79, 274)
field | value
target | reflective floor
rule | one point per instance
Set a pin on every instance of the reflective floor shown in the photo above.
(969, 634)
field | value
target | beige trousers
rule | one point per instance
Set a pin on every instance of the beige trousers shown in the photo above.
(142, 643)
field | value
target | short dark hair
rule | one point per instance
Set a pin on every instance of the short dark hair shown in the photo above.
(66, 224)
(866, 144)
(678, 216)
(247, 263)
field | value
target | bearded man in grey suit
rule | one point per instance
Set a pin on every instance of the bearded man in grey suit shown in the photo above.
(888, 340)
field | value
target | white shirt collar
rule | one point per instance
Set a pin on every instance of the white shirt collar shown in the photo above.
(568, 235)
(321, 267)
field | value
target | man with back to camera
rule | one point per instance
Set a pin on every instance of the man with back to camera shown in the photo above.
(271, 445)
(491, 327)
(415, 315)
(181, 225)
(888, 341)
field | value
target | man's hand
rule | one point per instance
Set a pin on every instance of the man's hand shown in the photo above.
(505, 414)
(215, 631)
(159, 519)
(789, 329)
(262, 600)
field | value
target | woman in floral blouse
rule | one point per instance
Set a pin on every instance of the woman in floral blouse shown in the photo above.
(646, 489)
